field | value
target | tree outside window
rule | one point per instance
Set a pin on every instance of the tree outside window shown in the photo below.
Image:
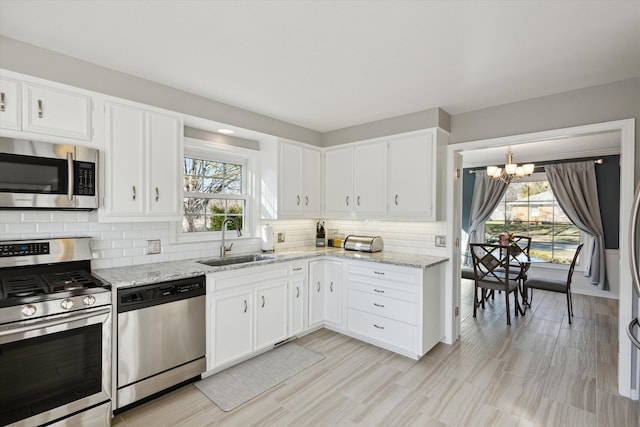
(530, 209)
(213, 191)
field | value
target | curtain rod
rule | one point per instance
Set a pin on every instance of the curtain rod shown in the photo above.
(540, 165)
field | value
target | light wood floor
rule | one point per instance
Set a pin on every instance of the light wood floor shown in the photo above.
(540, 371)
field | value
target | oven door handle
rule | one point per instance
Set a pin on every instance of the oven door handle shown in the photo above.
(40, 323)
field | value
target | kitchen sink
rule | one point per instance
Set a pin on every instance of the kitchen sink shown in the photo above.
(242, 259)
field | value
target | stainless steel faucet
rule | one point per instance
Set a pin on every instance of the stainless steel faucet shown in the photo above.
(223, 248)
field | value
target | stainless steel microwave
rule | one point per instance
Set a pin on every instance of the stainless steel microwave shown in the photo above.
(42, 175)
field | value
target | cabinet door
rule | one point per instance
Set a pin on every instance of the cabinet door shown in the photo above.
(9, 104)
(316, 293)
(291, 181)
(370, 179)
(296, 301)
(163, 162)
(311, 182)
(124, 160)
(333, 292)
(56, 112)
(338, 179)
(232, 329)
(411, 176)
(271, 315)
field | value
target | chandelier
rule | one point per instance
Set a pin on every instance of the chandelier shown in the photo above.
(511, 171)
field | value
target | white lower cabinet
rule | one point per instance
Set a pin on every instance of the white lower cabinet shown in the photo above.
(297, 299)
(397, 308)
(325, 293)
(248, 311)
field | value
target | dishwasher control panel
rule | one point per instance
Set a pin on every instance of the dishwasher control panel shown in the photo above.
(137, 297)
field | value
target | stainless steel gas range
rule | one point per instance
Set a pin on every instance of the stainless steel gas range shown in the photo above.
(55, 335)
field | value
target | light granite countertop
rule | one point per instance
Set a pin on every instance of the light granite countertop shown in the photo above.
(121, 277)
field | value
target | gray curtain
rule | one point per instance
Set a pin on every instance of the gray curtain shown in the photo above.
(574, 186)
(487, 193)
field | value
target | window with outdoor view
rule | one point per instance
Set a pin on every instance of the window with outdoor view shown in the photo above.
(213, 190)
(529, 208)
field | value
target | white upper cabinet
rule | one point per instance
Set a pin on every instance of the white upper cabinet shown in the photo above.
(10, 104)
(143, 154)
(56, 112)
(38, 108)
(411, 178)
(356, 180)
(299, 181)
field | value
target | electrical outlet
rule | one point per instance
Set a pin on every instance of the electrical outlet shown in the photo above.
(441, 241)
(153, 247)
(280, 237)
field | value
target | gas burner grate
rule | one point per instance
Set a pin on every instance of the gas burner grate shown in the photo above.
(71, 280)
(24, 286)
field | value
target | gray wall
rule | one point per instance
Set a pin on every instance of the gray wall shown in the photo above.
(32, 60)
(434, 117)
(603, 103)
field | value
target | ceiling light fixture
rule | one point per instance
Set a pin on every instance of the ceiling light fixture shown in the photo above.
(511, 171)
(226, 131)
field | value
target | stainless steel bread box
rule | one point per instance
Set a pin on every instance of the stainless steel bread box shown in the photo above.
(363, 243)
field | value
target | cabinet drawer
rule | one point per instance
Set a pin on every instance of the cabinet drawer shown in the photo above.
(404, 293)
(390, 308)
(381, 272)
(237, 278)
(382, 329)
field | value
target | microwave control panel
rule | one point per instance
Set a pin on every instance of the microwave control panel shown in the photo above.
(85, 179)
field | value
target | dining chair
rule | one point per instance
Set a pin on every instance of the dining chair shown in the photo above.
(519, 265)
(491, 273)
(554, 285)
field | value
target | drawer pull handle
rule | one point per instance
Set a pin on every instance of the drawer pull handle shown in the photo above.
(297, 200)
(40, 108)
(358, 200)
(318, 286)
(347, 200)
(297, 292)
(378, 291)
(331, 286)
(245, 306)
(297, 268)
(134, 193)
(396, 200)
(157, 194)
(378, 305)
(306, 200)
(379, 327)
(380, 273)
(262, 301)
(2, 107)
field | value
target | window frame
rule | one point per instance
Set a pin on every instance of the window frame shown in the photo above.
(217, 152)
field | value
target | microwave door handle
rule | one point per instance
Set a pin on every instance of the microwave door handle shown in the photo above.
(70, 177)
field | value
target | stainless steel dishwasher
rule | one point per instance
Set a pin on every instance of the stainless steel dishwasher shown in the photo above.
(161, 337)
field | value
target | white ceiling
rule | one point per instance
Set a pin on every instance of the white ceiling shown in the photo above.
(326, 65)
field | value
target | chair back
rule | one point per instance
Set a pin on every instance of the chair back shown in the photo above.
(519, 245)
(490, 264)
(573, 264)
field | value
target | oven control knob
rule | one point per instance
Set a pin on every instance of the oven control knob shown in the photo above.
(89, 300)
(66, 304)
(29, 310)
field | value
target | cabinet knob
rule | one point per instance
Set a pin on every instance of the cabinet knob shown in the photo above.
(2, 107)
(40, 108)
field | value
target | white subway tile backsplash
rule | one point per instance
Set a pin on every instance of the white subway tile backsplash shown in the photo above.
(50, 227)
